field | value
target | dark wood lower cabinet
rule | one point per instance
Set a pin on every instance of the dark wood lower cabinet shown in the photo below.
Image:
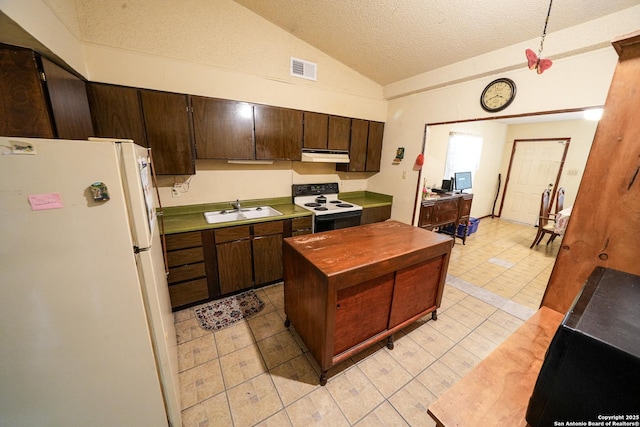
(209, 264)
(267, 252)
(234, 266)
(187, 273)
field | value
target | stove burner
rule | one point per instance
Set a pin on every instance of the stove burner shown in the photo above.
(312, 205)
(344, 205)
(335, 201)
(321, 208)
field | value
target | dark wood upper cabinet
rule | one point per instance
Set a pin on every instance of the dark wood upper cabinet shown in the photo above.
(69, 104)
(23, 106)
(222, 129)
(278, 133)
(116, 112)
(365, 148)
(325, 132)
(358, 148)
(316, 130)
(374, 146)
(168, 127)
(339, 133)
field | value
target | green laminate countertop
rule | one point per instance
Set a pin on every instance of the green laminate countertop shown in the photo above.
(180, 219)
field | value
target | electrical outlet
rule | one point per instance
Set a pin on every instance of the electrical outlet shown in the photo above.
(175, 192)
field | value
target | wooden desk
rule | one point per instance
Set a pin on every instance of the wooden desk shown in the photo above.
(345, 290)
(496, 392)
(446, 209)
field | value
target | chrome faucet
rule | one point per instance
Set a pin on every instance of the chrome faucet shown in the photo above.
(236, 205)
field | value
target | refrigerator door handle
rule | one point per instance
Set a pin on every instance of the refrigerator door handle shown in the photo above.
(137, 250)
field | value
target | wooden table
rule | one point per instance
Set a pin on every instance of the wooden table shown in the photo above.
(345, 290)
(496, 392)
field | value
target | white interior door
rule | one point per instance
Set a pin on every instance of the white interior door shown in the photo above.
(535, 165)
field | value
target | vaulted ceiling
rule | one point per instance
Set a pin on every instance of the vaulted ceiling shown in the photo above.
(391, 40)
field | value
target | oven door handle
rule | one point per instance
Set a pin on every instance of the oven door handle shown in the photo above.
(338, 215)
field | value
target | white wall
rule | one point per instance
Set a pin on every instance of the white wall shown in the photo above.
(573, 82)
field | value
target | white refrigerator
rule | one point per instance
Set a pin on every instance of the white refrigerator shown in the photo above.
(86, 328)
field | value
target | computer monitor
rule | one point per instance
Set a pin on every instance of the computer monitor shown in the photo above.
(462, 181)
(447, 185)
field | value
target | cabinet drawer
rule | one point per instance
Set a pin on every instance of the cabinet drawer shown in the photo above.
(300, 232)
(267, 228)
(301, 223)
(186, 272)
(232, 233)
(188, 292)
(185, 256)
(183, 240)
(447, 206)
(445, 217)
(362, 311)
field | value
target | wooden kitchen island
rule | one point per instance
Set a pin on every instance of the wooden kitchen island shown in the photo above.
(345, 290)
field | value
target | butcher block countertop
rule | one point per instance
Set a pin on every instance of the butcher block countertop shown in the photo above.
(355, 254)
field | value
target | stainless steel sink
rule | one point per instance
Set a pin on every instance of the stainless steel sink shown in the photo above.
(216, 217)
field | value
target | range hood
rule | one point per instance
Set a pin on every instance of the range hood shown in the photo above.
(325, 156)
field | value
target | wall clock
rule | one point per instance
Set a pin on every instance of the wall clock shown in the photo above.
(498, 95)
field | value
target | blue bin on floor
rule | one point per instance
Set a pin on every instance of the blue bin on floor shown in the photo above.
(471, 228)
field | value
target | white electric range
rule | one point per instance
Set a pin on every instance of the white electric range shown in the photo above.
(329, 212)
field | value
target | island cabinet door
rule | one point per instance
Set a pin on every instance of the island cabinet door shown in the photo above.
(362, 312)
(416, 291)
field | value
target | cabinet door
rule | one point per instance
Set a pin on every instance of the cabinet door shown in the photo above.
(376, 214)
(267, 258)
(69, 104)
(278, 133)
(116, 112)
(234, 265)
(362, 311)
(167, 122)
(339, 133)
(222, 129)
(23, 108)
(233, 254)
(316, 127)
(416, 290)
(374, 146)
(358, 147)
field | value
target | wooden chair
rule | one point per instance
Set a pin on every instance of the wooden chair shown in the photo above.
(545, 220)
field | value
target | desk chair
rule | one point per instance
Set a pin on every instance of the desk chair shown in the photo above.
(545, 221)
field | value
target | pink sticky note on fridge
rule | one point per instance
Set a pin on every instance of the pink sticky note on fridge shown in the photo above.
(41, 202)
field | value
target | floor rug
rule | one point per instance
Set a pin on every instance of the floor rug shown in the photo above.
(218, 314)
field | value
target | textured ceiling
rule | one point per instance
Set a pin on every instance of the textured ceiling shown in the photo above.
(391, 40)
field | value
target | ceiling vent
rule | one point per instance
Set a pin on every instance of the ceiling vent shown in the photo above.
(304, 69)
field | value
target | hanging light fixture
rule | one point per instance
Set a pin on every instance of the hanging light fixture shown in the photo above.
(537, 62)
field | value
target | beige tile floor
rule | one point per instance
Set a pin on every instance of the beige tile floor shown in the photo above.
(257, 372)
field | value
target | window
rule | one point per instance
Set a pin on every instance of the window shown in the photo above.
(463, 153)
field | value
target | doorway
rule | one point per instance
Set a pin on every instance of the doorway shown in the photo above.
(535, 164)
